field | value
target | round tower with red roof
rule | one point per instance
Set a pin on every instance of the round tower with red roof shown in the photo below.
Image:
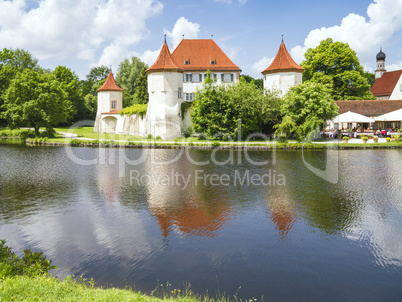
(165, 85)
(110, 103)
(283, 72)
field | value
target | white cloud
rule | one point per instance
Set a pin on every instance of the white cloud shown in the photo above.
(184, 27)
(364, 37)
(149, 57)
(395, 66)
(75, 28)
(261, 65)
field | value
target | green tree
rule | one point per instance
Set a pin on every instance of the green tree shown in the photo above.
(335, 63)
(127, 75)
(259, 83)
(72, 86)
(141, 95)
(11, 62)
(370, 77)
(94, 80)
(212, 112)
(219, 110)
(35, 99)
(305, 109)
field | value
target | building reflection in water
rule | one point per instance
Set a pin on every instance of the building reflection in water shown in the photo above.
(192, 209)
(281, 210)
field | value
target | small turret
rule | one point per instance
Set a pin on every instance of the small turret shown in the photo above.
(283, 72)
(110, 102)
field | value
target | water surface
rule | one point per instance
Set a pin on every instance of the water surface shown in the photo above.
(296, 237)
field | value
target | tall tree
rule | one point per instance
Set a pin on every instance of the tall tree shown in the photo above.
(141, 95)
(224, 110)
(93, 78)
(72, 86)
(370, 77)
(335, 63)
(35, 99)
(259, 83)
(305, 108)
(13, 61)
(127, 75)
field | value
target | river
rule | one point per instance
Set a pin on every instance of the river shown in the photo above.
(250, 224)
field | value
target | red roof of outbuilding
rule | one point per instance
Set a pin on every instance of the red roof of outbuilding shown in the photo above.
(110, 84)
(283, 62)
(164, 61)
(386, 84)
(199, 53)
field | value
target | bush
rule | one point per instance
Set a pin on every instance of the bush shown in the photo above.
(31, 264)
(75, 142)
(140, 109)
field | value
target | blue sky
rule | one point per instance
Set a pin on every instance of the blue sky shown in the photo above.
(84, 33)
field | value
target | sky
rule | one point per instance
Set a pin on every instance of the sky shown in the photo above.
(81, 34)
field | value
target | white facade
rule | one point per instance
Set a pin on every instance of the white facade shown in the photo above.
(282, 81)
(163, 114)
(108, 101)
(397, 92)
(192, 81)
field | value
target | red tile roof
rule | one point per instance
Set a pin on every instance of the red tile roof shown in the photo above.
(200, 53)
(112, 112)
(283, 62)
(386, 84)
(369, 107)
(110, 84)
(164, 61)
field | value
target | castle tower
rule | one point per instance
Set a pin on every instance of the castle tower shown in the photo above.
(283, 72)
(110, 102)
(380, 64)
(165, 88)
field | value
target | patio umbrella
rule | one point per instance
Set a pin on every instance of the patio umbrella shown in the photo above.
(352, 117)
(393, 116)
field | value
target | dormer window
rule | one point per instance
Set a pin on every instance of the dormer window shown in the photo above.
(187, 62)
(213, 62)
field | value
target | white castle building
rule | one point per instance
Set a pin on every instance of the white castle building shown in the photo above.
(174, 78)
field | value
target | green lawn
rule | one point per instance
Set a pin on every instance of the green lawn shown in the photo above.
(40, 288)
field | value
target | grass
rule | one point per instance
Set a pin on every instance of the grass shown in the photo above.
(41, 288)
(26, 278)
(85, 135)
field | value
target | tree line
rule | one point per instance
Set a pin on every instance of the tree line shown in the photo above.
(32, 96)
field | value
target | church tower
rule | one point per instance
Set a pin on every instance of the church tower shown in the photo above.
(283, 72)
(110, 102)
(165, 88)
(380, 64)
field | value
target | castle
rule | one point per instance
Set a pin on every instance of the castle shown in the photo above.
(174, 78)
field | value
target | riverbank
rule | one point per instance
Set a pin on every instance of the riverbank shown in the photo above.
(217, 145)
(85, 137)
(42, 288)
